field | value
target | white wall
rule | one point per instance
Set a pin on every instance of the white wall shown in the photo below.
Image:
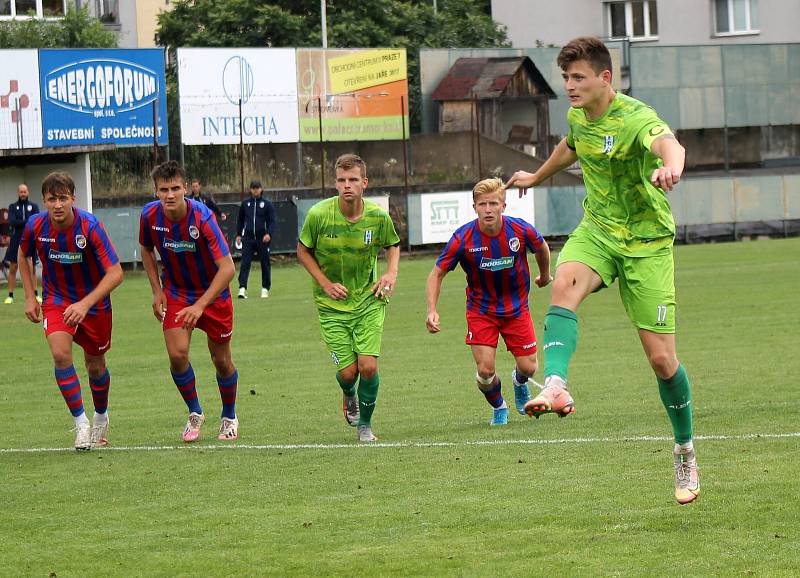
(34, 174)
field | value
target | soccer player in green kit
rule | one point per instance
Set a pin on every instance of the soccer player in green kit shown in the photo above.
(339, 246)
(630, 159)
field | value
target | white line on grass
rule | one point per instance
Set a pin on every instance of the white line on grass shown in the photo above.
(513, 442)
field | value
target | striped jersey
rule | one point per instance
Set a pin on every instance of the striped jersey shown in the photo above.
(347, 252)
(622, 208)
(74, 260)
(498, 278)
(189, 249)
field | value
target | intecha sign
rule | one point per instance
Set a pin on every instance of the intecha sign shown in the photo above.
(103, 96)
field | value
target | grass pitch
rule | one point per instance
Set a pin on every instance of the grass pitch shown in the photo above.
(443, 494)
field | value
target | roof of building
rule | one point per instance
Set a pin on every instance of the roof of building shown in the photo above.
(487, 78)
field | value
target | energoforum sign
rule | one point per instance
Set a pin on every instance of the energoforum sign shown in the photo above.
(103, 96)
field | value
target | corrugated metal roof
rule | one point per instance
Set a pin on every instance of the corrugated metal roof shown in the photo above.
(486, 78)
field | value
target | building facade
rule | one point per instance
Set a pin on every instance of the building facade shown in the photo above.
(655, 22)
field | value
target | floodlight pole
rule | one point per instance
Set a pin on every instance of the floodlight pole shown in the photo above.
(324, 17)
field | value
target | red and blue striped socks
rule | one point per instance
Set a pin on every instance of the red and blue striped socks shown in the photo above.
(70, 387)
(227, 392)
(100, 386)
(186, 386)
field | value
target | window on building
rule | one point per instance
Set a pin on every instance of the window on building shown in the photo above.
(34, 8)
(637, 20)
(736, 16)
(107, 11)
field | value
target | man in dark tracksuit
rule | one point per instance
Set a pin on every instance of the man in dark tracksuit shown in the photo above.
(254, 232)
(18, 214)
(207, 200)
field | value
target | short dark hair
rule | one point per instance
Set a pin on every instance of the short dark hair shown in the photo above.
(349, 161)
(57, 182)
(588, 48)
(168, 171)
(196, 180)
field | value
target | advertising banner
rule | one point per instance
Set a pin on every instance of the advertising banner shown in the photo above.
(103, 96)
(20, 106)
(213, 81)
(443, 213)
(362, 93)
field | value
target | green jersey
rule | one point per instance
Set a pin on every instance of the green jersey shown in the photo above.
(622, 209)
(347, 252)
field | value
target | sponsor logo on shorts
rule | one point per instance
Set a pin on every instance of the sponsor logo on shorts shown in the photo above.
(157, 228)
(228, 334)
(529, 345)
(104, 346)
(334, 358)
(496, 264)
(194, 233)
(477, 249)
(513, 244)
(65, 257)
(179, 246)
(80, 241)
(44, 324)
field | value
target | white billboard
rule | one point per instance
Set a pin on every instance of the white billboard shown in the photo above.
(20, 101)
(443, 213)
(213, 81)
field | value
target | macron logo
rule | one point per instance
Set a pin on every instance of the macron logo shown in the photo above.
(157, 228)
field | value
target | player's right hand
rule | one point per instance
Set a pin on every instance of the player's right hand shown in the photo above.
(336, 291)
(432, 322)
(33, 311)
(523, 180)
(160, 306)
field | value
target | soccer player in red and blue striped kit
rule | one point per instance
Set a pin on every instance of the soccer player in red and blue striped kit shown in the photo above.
(196, 269)
(80, 268)
(492, 252)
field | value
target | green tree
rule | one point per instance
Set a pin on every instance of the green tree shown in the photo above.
(351, 24)
(78, 29)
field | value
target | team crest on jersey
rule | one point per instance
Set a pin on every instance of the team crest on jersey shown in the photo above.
(513, 244)
(194, 233)
(261, 205)
(80, 241)
(608, 144)
(30, 207)
(368, 237)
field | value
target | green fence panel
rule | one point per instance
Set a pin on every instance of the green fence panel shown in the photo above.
(122, 225)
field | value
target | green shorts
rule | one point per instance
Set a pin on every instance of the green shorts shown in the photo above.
(348, 335)
(646, 284)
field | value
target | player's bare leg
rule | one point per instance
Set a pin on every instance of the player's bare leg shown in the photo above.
(99, 382)
(60, 343)
(675, 392)
(489, 383)
(227, 381)
(177, 341)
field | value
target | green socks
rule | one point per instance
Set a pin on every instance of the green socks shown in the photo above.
(349, 389)
(367, 394)
(560, 340)
(676, 395)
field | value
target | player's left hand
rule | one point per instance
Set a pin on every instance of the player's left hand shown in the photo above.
(384, 288)
(665, 178)
(75, 313)
(190, 315)
(543, 280)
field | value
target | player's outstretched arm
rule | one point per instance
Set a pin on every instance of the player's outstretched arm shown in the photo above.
(76, 312)
(335, 291)
(542, 256)
(151, 268)
(561, 158)
(33, 311)
(433, 288)
(384, 287)
(669, 150)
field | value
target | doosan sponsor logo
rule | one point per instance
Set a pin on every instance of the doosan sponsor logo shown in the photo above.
(101, 87)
